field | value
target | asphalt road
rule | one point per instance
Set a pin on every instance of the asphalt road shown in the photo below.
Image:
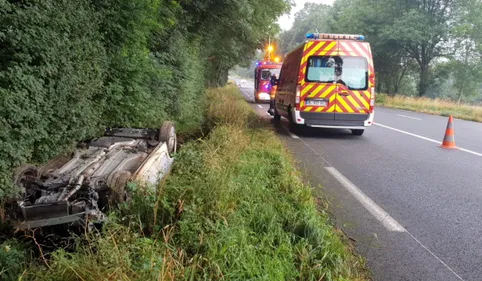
(414, 209)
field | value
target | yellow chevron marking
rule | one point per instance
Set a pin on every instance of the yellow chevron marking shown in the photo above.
(328, 48)
(353, 101)
(345, 105)
(316, 91)
(363, 99)
(328, 91)
(306, 89)
(314, 50)
(332, 98)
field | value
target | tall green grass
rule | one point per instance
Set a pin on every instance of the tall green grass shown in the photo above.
(233, 208)
(432, 106)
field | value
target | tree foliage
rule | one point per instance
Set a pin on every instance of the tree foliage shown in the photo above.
(68, 68)
(431, 47)
(312, 18)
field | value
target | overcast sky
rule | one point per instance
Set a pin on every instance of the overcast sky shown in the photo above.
(286, 21)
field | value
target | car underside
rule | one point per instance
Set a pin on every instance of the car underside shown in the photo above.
(80, 187)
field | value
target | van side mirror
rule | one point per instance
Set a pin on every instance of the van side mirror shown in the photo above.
(274, 82)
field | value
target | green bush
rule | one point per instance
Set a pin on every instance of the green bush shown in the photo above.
(13, 260)
(51, 74)
(68, 69)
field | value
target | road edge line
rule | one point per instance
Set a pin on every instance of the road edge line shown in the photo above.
(425, 138)
(385, 219)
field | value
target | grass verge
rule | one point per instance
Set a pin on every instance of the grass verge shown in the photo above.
(233, 208)
(432, 106)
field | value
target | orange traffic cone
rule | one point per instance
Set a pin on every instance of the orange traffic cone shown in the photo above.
(449, 138)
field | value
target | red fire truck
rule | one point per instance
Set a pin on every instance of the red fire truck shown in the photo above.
(262, 74)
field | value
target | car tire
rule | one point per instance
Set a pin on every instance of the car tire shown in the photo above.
(24, 173)
(167, 134)
(117, 182)
(358, 132)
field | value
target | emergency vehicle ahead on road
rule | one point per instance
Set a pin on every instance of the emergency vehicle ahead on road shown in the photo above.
(262, 76)
(328, 82)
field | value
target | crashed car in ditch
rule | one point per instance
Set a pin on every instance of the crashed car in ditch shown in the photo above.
(78, 188)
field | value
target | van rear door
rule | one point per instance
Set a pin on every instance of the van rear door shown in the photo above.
(318, 88)
(353, 85)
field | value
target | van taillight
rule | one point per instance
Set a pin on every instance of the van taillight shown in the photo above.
(298, 96)
(372, 100)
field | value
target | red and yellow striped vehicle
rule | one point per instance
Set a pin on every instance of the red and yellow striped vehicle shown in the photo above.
(328, 82)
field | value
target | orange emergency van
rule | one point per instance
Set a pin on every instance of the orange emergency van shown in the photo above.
(328, 82)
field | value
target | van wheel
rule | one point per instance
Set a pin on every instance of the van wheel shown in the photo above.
(276, 115)
(357, 132)
(292, 126)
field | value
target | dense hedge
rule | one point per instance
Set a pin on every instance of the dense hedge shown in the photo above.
(52, 72)
(70, 68)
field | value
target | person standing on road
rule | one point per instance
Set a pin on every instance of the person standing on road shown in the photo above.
(272, 93)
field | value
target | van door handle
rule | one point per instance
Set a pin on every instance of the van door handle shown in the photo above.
(345, 94)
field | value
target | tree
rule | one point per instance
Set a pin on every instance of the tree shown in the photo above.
(312, 18)
(467, 59)
(423, 28)
(232, 30)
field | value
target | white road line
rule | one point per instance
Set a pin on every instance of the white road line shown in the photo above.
(407, 133)
(391, 223)
(424, 138)
(406, 116)
(293, 135)
(435, 256)
(246, 95)
(385, 219)
(260, 106)
(470, 151)
(290, 133)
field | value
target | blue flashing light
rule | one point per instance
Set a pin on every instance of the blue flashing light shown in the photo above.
(334, 36)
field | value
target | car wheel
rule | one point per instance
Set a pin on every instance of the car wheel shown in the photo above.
(167, 134)
(24, 174)
(117, 182)
(357, 132)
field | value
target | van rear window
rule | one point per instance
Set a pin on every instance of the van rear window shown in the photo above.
(350, 71)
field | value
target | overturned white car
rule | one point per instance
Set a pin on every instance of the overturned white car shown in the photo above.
(79, 188)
